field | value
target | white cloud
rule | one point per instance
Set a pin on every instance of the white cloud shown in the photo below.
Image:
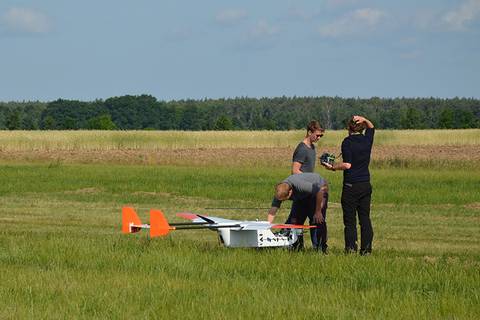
(357, 22)
(370, 16)
(230, 16)
(260, 36)
(263, 29)
(25, 20)
(458, 18)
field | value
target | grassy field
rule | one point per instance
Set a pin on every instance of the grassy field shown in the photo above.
(62, 254)
(115, 140)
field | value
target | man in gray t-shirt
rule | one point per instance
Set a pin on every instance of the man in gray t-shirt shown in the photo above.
(308, 191)
(304, 156)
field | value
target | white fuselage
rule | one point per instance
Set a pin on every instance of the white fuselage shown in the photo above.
(256, 238)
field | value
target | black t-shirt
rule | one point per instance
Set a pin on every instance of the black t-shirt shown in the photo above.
(306, 156)
(356, 150)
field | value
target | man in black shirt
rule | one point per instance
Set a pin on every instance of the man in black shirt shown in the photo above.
(357, 190)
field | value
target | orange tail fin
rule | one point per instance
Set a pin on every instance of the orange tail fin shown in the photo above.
(129, 217)
(158, 224)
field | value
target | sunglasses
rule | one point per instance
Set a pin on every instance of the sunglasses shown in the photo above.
(319, 135)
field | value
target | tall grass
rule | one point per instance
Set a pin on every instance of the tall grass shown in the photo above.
(62, 254)
(154, 140)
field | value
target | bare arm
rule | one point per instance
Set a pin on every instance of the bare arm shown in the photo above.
(271, 214)
(320, 198)
(337, 166)
(296, 167)
(361, 119)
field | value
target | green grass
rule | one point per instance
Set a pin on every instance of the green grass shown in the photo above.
(62, 254)
(144, 184)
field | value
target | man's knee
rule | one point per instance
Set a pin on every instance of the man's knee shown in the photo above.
(365, 223)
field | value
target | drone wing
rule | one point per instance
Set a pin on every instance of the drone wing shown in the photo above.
(263, 225)
(291, 226)
(246, 225)
(198, 218)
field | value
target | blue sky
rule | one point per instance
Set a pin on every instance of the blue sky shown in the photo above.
(178, 49)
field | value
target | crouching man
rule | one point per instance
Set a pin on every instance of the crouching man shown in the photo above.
(309, 193)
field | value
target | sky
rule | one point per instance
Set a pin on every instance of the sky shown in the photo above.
(179, 49)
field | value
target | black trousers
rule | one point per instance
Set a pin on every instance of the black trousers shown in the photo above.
(356, 198)
(306, 208)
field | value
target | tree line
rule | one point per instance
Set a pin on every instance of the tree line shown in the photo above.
(145, 112)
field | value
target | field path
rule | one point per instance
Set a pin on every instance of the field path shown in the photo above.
(233, 156)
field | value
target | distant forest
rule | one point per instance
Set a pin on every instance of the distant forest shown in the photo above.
(145, 112)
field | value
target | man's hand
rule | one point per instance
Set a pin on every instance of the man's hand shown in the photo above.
(320, 204)
(359, 119)
(271, 214)
(328, 166)
(318, 218)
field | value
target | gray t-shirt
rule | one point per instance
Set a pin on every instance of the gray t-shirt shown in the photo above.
(304, 185)
(306, 156)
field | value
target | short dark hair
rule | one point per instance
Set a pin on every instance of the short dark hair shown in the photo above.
(314, 125)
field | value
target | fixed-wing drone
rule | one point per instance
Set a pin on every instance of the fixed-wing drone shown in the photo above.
(232, 233)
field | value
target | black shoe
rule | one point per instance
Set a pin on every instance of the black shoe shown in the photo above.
(350, 251)
(323, 249)
(298, 245)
